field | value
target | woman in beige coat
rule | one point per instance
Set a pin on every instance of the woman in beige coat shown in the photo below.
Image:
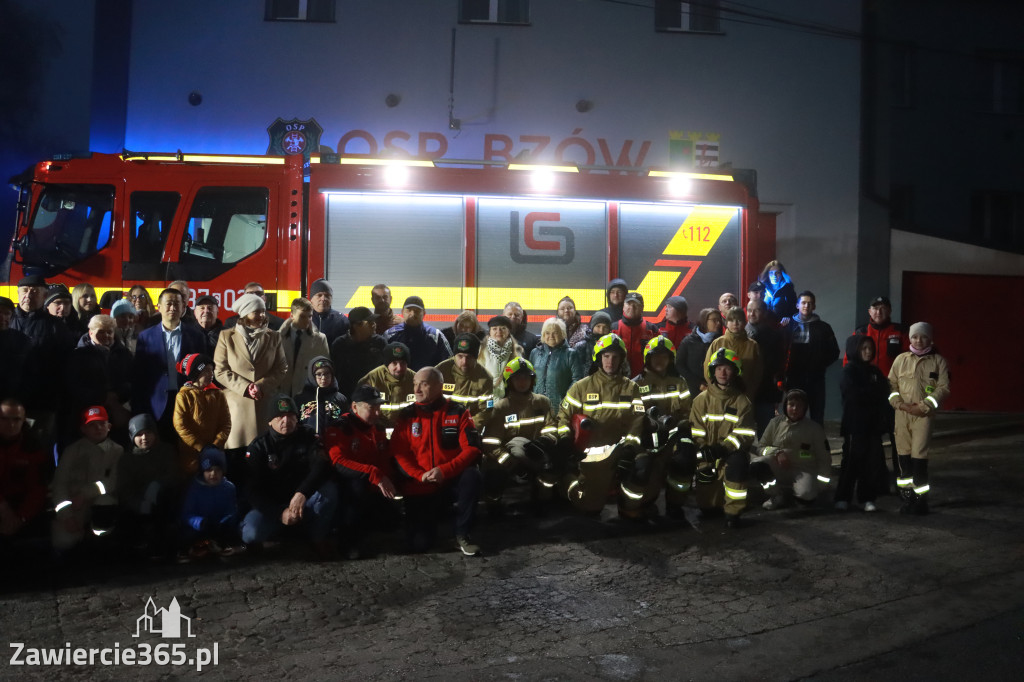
(299, 329)
(250, 365)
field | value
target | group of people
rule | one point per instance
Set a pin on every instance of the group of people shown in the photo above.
(165, 430)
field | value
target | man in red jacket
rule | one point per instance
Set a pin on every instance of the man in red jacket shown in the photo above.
(437, 447)
(358, 448)
(635, 331)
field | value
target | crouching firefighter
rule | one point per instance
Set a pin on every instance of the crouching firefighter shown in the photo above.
(793, 462)
(722, 424)
(603, 414)
(665, 430)
(520, 439)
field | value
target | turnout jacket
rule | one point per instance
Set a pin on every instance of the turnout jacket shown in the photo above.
(750, 355)
(473, 390)
(805, 441)
(723, 416)
(612, 402)
(518, 415)
(397, 393)
(360, 448)
(440, 434)
(919, 379)
(669, 393)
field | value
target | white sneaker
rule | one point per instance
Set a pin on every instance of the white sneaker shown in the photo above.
(870, 507)
(842, 506)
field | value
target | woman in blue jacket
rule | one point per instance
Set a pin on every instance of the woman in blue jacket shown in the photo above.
(555, 364)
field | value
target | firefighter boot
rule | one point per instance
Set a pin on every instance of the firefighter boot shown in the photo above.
(920, 469)
(905, 485)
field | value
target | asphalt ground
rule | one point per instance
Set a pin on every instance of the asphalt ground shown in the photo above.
(799, 594)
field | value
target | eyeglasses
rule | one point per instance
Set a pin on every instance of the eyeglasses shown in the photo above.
(138, 297)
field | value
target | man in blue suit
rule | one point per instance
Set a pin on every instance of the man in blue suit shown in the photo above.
(156, 380)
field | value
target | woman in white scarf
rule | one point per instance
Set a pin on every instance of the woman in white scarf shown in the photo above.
(499, 349)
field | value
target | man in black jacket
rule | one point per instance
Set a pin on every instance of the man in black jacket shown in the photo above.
(812, 348)
(358, 352)
(288, 480)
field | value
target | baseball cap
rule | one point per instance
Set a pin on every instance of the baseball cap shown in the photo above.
(635, 296)
(413, 302)
(96, 413)
(361, 314)
(367, 394)
(880, 300)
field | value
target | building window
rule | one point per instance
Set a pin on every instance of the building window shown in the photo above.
(300, 10)
(1001, 82)
(494, 12)
(997, 219)
(698, 16)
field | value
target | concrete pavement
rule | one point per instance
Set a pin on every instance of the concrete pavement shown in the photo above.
(808, 594)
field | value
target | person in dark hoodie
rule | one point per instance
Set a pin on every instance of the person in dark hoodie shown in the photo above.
(812, 348)
(865, 393)
(321, 402)
(616, 295)
(149, 486)
(209, 516)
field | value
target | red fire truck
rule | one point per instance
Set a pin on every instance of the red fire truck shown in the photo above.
(460, 236)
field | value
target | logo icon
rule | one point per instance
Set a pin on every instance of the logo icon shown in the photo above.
(294, 137)
(164, 622)
(543, 243)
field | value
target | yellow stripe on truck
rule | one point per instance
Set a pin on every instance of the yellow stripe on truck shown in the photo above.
(700, 231)
(486, 298)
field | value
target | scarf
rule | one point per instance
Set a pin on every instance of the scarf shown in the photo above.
(920, 353)
(706, 337)
(253, 338)
(501, 354)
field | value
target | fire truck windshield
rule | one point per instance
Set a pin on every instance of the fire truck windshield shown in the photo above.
(70, 223)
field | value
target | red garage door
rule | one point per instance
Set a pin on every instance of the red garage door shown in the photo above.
(979, 329)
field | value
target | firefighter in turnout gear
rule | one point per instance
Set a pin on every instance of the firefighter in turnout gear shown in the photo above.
(666, 429)
(394, 380)
(466, 381)
(722, 424)
(603, 414)
(919, 380)
(519, 437)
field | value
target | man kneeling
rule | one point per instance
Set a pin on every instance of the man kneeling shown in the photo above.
(437, 447)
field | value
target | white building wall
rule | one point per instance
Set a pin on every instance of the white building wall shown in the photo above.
(784, 102)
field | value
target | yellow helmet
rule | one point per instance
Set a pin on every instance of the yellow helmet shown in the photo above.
(514, 366)
(724, 356)
(659, 343)
(609, 342)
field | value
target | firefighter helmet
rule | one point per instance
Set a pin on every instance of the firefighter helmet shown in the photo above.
(659, 344)
(514, 366)
(609, 342)
(724, 356)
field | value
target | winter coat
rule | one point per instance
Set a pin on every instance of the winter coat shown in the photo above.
(495, 367)
(333, 325)
(427, 346)
(201, 417)
(635, 334)
(139, 469)
(440, 434)
(749, 354)
(780, 298)
(354, 360)
(614, 311)
(397, 393)
(312, 344)
(474, 389)
(98, 376)
(865, 389)
(690, 360)
(216, 504)
(772, 347)
(358, 448)
(557, 369)
(236, 369)
(280, 466)
(812, 348)
(890, 340)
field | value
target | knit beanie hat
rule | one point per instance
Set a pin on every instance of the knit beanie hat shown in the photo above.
(467, 343)
(319, 286)
(249, 303)
(921, 328)
(122, 307)
(212, 456)
(55, 292)
(139, 423)
(599, 317)
(193, 364)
